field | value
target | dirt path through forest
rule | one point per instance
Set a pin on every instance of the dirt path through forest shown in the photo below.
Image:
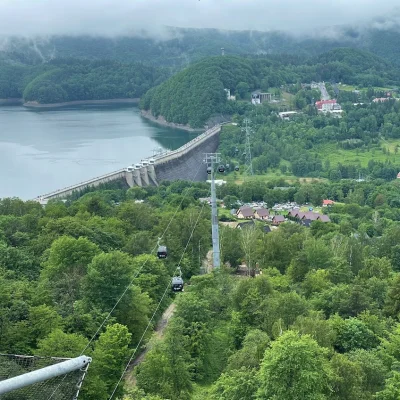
(159, 331)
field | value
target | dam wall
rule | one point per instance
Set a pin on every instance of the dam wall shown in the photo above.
(185, 163)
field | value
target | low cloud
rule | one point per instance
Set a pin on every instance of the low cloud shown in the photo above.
(130, 17)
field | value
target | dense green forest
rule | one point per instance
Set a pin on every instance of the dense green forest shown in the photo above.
(177, 47)
(322, 321)
(69, 80)
(62, 269)
(197, 93)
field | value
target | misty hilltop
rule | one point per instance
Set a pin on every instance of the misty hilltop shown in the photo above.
(181, 46)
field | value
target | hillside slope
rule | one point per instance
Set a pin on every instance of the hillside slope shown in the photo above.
(197, 93)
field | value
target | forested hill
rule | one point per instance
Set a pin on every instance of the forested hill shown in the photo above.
(197, 93)
(194, 94)
(178, 47)
(70, 80)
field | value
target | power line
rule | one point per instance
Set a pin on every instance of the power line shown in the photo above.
(137, 272)
(158, 306)
(131, 283)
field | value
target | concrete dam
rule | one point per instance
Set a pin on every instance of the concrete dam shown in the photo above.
(185, 163)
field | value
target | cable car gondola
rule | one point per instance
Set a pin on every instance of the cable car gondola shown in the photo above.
(162, 252)
(221, 169)
(237, 168)
(177, 284)
(209, 170)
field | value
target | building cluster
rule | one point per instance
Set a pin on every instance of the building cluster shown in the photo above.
(262, 214)
(331, 106)
(260, 97)
(247, 212)
(293, 213)
(305, 218)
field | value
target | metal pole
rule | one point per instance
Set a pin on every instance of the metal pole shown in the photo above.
(43, 374)
(249, 163)
(214, 218)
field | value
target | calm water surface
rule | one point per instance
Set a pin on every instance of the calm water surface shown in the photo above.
(41, 151)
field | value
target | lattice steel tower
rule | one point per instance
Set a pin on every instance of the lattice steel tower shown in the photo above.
(212, 160)
(247, 130)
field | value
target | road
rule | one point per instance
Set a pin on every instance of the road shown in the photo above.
(324, 92)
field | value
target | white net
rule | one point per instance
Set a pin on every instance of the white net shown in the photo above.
(65, 387)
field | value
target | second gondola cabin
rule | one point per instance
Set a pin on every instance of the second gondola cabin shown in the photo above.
(162, 252)
(177, 284)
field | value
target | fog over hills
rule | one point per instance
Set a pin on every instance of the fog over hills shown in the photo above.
(185, 45)
(178, 32)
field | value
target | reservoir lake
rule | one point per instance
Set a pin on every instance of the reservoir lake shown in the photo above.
(45, 150)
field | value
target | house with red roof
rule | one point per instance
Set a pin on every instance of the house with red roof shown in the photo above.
(325, 105)
(326, 203)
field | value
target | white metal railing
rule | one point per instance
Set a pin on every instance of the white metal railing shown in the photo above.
(194, 141)
(77, 185)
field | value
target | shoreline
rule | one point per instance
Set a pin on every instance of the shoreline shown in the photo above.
(12, 101)
(162, 121)
(35, 104)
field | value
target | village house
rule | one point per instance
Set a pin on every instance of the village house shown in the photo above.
(312, 216)
(278, 219)
(326, 203)
(326, 105)
(245, 212)
(305, 218)
(261, 213)
(293, 213)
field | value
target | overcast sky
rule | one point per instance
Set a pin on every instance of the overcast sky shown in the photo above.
(115, 17)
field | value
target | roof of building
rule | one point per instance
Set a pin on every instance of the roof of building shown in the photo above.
(321, 102)
(246, 224)
(327, 202)
(324, 218)
(262, 212)
(312, 216)
(278, 218)
(246, 211)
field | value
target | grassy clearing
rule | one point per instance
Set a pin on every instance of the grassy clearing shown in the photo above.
(328, 152)
(361, 157)
(271, 176)
(287, 96)
(350, 88)
(347, 88)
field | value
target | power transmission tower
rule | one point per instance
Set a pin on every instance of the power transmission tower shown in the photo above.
(248, 162)
(213, 159)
